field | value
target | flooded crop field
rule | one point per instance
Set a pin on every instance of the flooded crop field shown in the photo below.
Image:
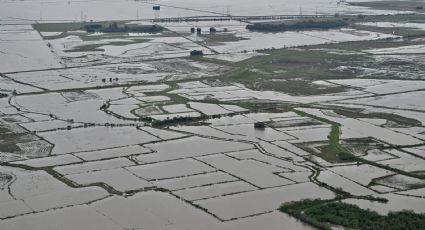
(188, 115)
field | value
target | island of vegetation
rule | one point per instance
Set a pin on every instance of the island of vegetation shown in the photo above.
(297, 25)
(322, 214)
(115, 27)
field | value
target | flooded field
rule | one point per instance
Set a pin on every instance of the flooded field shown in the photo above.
(175, 115)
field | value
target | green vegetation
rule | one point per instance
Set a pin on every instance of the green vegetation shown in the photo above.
(297, 25)
(214, 38)
(105, 26)
(115, 27)
(178, 121)
(281, 70)
(335, 152)
(58, 27)
(324, 213)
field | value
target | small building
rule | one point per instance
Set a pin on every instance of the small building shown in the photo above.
(196, 53)
(259, 125)
(156, 7)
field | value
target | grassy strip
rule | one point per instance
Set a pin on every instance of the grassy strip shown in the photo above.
(334, 152)
(322, 213)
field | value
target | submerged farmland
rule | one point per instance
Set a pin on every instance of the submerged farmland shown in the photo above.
(108, 122)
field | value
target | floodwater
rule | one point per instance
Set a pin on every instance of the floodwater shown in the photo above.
(58, 10)
(85, 155)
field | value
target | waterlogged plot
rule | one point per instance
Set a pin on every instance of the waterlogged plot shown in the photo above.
(410, 100)
(190, 147)
(93, 166)
(252, 41)
(63, 199)
(67, 219)
(89, 77)
(86, 139)
(231, 120)
(124, 111)
(41, 192)
(368, 173)
(8, 86)
(195, 181)
(395, 203)
(119, 179)
(163, 134)
(112, 153)
(298, 177)
(213, 109)
(146, 89)
(155, 210)
(291, 148)
(24, 49)
(214, 190)
(378, 155)
(274, 221)
(382, 86)
(177, 108)
(353, 128)
(254, 172)
(268, 134)
(345, 184)
(267, 158)
(414, 192)
(294, 122)
(170, 169)
(47, 125)
(51, 161)
(401, 182)
(207, 131)
(148, 111)
(154, 99)
(76, 110)
(238, 92)
(261, 201)
(309, 135)
(13, 208)
(405, 161)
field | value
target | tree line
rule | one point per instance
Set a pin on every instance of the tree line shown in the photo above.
(301, 25)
